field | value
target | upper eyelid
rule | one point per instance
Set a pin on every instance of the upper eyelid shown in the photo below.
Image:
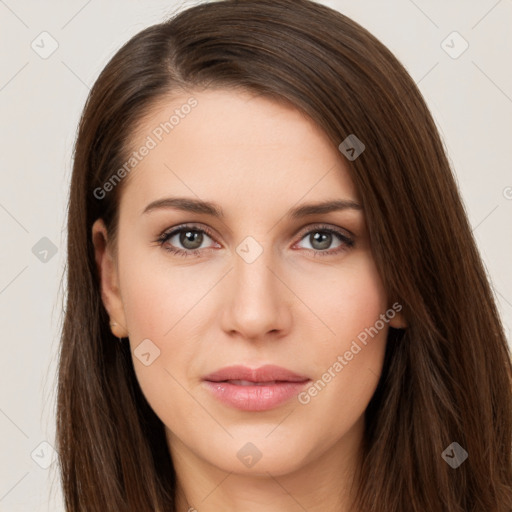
(320, 226)
(173, 231)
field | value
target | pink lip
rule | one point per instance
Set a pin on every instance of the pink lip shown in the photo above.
(282, 385)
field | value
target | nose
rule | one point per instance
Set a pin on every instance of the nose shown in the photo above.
(256, 304)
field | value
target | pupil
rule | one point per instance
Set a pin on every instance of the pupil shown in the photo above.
(323, 239)
(187, 239)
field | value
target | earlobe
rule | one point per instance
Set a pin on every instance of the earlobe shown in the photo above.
(109, 279)
(398, 321)
(396, 316)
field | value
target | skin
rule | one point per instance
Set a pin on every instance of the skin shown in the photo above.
(293, 307)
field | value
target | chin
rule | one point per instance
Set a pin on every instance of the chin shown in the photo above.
(258, 456)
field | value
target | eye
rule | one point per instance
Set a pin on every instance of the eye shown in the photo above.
(191, 238)
(322, 237)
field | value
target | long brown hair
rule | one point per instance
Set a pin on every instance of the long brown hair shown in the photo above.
(447, 377)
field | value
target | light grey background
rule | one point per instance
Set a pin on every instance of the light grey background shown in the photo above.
(41, 100)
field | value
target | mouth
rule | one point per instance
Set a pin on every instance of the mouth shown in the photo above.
(254, 390)
(249, 383)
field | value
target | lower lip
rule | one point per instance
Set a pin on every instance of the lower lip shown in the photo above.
(255, 398)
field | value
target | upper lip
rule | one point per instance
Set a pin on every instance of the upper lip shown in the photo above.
(266, 373)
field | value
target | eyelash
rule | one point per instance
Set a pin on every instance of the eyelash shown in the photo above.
(347, 242)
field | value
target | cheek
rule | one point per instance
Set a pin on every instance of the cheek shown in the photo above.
(348, 301)
(162, 303)
(153, 314)
(348, 356)
(157, 295)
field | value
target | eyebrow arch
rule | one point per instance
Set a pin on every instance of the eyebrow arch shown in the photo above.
(323, 207)
(206, 207)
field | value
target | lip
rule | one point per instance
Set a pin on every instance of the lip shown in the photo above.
(273, 386)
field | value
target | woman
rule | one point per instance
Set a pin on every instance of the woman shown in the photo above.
(261, 210)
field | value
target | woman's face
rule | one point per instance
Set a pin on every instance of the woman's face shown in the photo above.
(254, 284)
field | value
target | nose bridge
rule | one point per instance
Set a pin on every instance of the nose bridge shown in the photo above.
(251, 266)
(256, 304)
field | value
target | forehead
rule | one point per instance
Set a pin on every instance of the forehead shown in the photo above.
(233, 146)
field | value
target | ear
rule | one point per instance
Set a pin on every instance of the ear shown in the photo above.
(398, 320)
(109, 279)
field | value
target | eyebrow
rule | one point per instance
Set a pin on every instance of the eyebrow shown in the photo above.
(206, 207)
